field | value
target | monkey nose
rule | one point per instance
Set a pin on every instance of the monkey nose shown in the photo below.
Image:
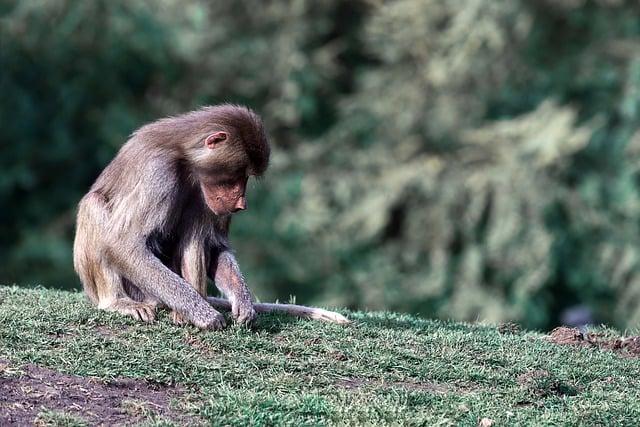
(241, 204)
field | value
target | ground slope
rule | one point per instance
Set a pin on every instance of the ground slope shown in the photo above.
(64, 363)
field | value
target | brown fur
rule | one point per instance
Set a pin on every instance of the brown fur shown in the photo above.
(155, 223)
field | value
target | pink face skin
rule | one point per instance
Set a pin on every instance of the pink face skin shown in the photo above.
(227, 197)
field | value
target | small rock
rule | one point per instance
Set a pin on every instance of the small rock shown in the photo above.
(486, 422)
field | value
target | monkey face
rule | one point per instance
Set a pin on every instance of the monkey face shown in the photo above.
(235, 147)
(225, 197)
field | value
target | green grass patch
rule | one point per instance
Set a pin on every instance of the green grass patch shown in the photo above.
(383, 369)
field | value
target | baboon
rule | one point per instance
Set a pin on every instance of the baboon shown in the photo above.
(154, 226)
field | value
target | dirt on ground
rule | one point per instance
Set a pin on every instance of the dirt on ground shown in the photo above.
(28, 391)
(629, 346)
(541, 383)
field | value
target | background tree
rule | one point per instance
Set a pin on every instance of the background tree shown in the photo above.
(459, 159)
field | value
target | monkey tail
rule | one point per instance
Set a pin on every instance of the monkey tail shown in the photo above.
(292, 309)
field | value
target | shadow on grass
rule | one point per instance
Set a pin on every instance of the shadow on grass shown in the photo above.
(274, 323)
(271, 323)
(406, 322)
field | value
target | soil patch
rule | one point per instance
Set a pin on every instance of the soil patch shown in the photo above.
(29, 390)
(540, 383)
(629, 346)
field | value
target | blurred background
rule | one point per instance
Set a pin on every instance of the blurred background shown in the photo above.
(457, 159)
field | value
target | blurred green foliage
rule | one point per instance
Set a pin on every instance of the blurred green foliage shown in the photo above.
(471, 159)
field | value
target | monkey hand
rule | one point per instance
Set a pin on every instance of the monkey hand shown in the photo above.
(242, 311)
(209, 319)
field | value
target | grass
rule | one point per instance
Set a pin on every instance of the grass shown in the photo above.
(384, 369)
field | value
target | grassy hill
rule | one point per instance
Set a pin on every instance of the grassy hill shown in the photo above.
(64, 363)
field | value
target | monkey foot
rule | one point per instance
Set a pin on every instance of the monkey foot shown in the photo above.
(178, 318)
(137, 310)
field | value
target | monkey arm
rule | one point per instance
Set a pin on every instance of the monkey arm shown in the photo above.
(141, 267)
(226, 274)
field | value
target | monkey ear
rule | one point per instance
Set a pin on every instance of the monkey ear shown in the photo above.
(215, 138)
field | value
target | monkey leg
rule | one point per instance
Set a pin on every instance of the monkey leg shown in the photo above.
(229, 280)
(136, 262)
(133, 292)
(92, 214)
(111, 295)
(100, 280)
(137, 310)
(192, 267)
